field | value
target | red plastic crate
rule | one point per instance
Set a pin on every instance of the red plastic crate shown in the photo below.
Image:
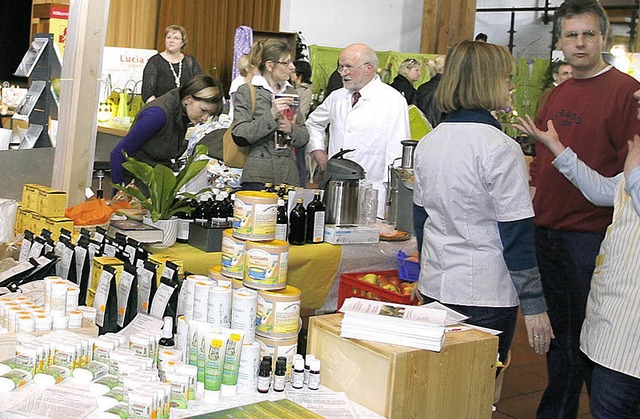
(352, 286)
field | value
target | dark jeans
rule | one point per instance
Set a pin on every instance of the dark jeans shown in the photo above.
(566, 260)
(614, 394)
(498, 318)
(252, 186)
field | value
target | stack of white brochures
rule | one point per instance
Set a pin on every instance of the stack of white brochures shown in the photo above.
(398, 324)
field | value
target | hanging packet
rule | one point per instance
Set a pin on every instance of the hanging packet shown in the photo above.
(127, 295)
(25, 249)
(82, 267)
(165, 300)
(37, 248)
(146, 286)
(66, 254)
(106, 301)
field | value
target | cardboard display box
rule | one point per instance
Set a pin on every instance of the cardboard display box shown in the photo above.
(350, 234)
(402, 382)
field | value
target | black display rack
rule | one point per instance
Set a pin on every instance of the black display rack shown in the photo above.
(41, 63)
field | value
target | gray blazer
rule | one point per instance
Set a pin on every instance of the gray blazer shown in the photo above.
(265, 163)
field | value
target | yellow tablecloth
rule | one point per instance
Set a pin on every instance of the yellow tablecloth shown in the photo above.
(312, 267)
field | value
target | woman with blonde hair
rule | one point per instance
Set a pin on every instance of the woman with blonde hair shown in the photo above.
(259, 117)
(472, 203)
(170, 68)
(408, 73)
(247, 71)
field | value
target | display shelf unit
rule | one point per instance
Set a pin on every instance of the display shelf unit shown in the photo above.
(41, 64)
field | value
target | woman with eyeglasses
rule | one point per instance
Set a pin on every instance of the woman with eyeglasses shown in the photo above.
(157, 135)
(171, 68)
(408, 73)
(472, 205)
(270, 127)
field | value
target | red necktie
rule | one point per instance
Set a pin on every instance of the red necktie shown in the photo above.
(355, 98)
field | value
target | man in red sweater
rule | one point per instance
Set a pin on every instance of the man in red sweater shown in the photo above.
(595, 113)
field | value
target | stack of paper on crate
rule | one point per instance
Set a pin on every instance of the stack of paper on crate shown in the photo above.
(398, 324)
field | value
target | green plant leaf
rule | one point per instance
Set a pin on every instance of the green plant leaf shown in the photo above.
(165, 198)
(164, 190)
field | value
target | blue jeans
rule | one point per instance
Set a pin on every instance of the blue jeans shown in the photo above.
(614, 394)
(498, 318)
(566, 260)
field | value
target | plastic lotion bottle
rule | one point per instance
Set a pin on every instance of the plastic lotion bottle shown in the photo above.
(279, 377)
(314, 375)
(231, 364)
(167, 341)
(214, 361)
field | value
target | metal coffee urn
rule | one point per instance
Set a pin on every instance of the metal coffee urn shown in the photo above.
(399, 203)
(341, 183)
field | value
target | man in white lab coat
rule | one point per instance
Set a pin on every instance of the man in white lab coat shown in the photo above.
(366, 115)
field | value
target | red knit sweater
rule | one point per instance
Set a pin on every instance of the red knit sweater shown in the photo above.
(595, 117)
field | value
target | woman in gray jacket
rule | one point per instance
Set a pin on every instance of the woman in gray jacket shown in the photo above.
(258, 117)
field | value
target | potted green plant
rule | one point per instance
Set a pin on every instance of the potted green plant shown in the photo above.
(165, 198)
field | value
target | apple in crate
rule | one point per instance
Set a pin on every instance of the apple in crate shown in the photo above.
(391, 287)
(370, 278)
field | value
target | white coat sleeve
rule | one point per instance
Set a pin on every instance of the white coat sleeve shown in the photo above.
(317, 123)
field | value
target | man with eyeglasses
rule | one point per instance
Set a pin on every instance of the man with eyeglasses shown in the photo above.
(366, 115)
(594, 114)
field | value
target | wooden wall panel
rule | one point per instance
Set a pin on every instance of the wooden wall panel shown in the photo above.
(132, 24)
(445, 23)
(211, 26)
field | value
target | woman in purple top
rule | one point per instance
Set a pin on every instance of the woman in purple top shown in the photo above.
(157, 135)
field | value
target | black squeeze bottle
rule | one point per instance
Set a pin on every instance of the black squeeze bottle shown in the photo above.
(297, 223)
(315, 220)
(282, 221)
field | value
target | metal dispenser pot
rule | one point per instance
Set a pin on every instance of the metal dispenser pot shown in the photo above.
(341, 183)
(399, 204)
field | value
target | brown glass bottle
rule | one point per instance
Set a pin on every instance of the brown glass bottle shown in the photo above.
(297, 223)
(315, 220)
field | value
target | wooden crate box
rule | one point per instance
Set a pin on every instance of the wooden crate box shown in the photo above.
(402, 382)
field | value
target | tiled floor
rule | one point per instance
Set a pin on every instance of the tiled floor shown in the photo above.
(525, 380)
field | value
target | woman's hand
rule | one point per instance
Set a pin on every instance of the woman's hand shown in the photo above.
(633, 156)
(284, 125)
(549, 138)
(280, 105)
(539, 332)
